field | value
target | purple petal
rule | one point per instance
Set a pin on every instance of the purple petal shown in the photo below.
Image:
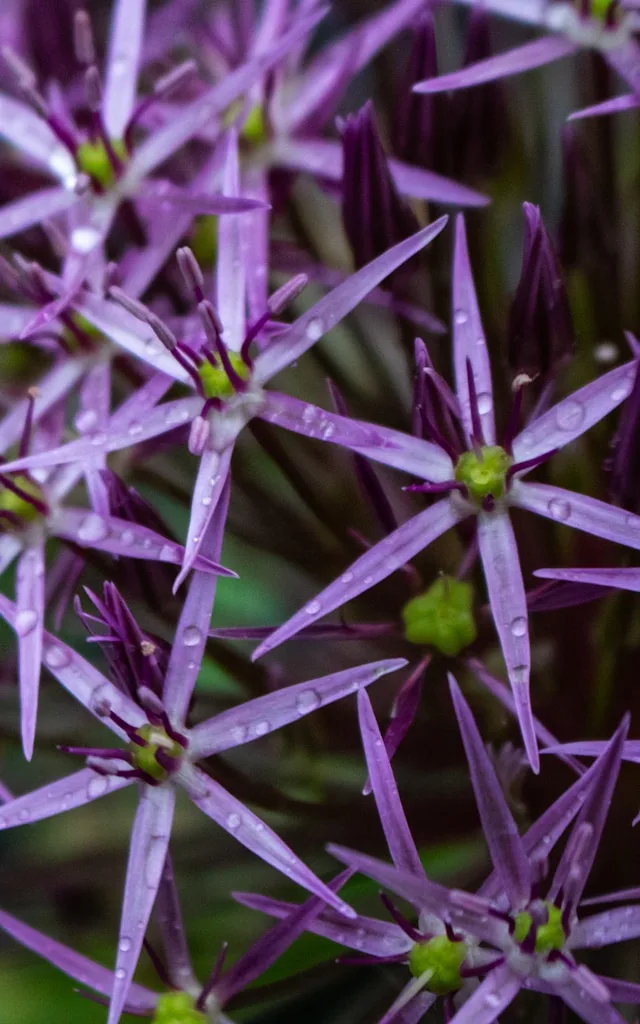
(614, 106)
(621, 991)
(593, 748)
(125, 43)
(264, 715)
(603, 929)
(503, 575)
(410, 1005)
(403, 712)
(503, 65)
(147, 853)
(55, 384)
(213, 473)
(168, 914)
(195, 618)
(164, 195)
(62, 795)
(385, 790)
(612, 897)
(500, 830)
(496, 992)
(580, 511)
(28, 627)
(231, 290)
(9, 547)
(248, 829)
(390, 447)
(13, 320)
(576, 414)
(78, 967)
(31, 134)
(469, 345)
(255, 239)
(33, 209)
(332, 308)
(375, 565)
(627, 578)
(591, 1006)
(411, 886)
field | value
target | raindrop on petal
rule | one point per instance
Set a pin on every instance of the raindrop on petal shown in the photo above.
(26, 621)
(93, 528)
(460, 316)
(559, 509)
(192, 636)
(56, 657)
(315, 328)
(307, 701)
(485, 403)
(570, 414)
(234, 821)
(519, 626)
(312, 608)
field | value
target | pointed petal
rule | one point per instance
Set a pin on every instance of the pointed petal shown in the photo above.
(503, 575)
(55, 384)
(410, 1005)
(211, 480)
(31, 134)
(469, 344)
(485, 1005)
(382, 444)
(168, 913)
(372, 567)
(503, 65)
(589, 1004)
(78, 967)
(332, 308)
(627, 578)
(231, 283)
(255, 240)
(500, 830)
(594, 748)
(33, 209)
(263, 715)
(147, 854)
(621, 991)
(62, 795)
(579, 511)
(193, 625)
(13, 320)
(123, 60)
(248, 829)
(28, 626)
(603, 929)
(615, 106)
(385, 790)
(576, 414)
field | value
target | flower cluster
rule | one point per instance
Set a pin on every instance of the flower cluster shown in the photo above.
(209, 206)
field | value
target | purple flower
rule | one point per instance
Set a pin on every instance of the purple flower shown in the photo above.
(483, 479)
(147, 710)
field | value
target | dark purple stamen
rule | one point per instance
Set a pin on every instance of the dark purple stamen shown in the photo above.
(519, 467)
(107, 753)
(15, 488)
(166, 761)
(157, 963)
(11, 518)
(401, 920)
(476, 422)
(479, 972)
(211, 324)
(513, 423)
(213, 978)
(437, 488)
(450, 933)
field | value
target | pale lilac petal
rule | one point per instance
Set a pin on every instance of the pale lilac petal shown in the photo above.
(576, 414)
(121, 537)
(33, 209)
(579, 511)
(332, 308)
(500, 830)
(123, 59)
(503, 575)
(587, 1004)
(272, 24)
(231, 290)
(627, 578)
(193, 625)
(469, 344)
(55, 384)
(255, 242)
(503, 65)
(614, 106)
(168, 914)
(13, 320)
(612, 897)
(263, 715)
(248, 829)
(375, 565)
(157, 195)
(385, 790)
(78, 967)
(28, 627)
(31, 134)
(410, 1005)
(610, 926)
(625, 59)
(621, 991)
(10, 546)
(496, 992)
(382, 444)
(594, 748)
(141, 402)
(147, 853)
(62, 795)
(416, 1009)
(213, 472)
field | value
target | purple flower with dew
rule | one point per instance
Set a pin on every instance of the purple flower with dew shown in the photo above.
(32, 509)
(218, 363)
(445, 957)
(594, 748)
(484, 479)
(532, 938)
(148, 712)
(187, 1001)
(607, 26)
(99, 171)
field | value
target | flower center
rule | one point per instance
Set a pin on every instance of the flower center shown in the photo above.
(484, 473)
(94, 159)
(442, 616)
(215, 382)
(177, 1008)
(600, 10)
(444, 959)
(16, 510)
(549, 936)
(146, 758)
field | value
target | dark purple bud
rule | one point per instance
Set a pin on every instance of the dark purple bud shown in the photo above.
(623, 465)
(421, 122)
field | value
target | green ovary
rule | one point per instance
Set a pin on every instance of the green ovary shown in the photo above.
(254, 129)
(444, 959)
(144, 758)
(93, 159)
(442, 616)
(484, 474)
(601, 8)
(549, 936)
(16, 506)
(178, 1008)
(215, 382)
(204, 240)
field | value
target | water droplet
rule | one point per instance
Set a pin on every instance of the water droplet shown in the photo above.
(633, 522)
(121, 974)
(346, 577)
(460, 316)
(97, 787)
(368, 581)
(570, 414)
(84, 239)
(192, 636)
(135, 428)
(127, 537)
(125, 944)
(315, 328)
(206, 501)
(261, 728)
(621, 392)
(559, 509)
(26, 621)
(307, 701)
(167, 553)
(313, 608)
(234, 821)
(238, 734)
(485, 403)
(519, 626)
(492, 999)
(85, 420)
(92, 529)
(24, 814)
(56, 657)
(98, 438)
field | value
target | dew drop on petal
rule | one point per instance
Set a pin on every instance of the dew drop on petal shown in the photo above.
(85, 420)
(559, 509)
(93, 528)
(125, 944)
(135, 428)
(127, 537)
(97, 787)
(461, 317)
(26, 621)
(99, 438)
(234, 821)
(238, 734)
(519, 626)
(121, 974)
(346, 577)
(315, 328)
(192, 636)
(84, 239)
(261, 728)
(621, 392)
(56, 657)
(24, 814)
(312, 608)
(633, 522)
(485, 403)
(307, 701)
(492, 999)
